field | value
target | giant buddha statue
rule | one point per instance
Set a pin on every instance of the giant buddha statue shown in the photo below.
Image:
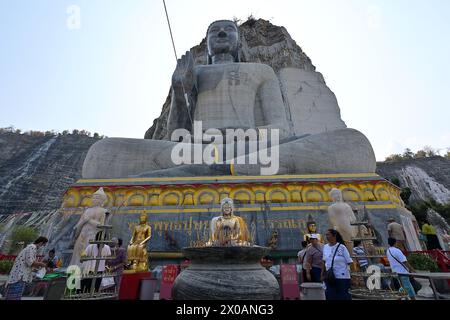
(229, 94)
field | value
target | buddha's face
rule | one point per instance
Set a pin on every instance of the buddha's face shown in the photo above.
(222, 37)
(312, 228)
(143, 219)
(227, 210)
(336, 195)
(97, 200)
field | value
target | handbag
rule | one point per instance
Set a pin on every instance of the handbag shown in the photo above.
(330, 278)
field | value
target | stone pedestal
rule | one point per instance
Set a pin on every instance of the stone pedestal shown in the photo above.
(180, 209)
(226, 273)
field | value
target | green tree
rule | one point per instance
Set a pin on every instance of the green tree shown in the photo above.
(22, 236)
(420, 154)
(396, 181)
(408, 154)
(430, 151)
(405, 195)
(394, 158)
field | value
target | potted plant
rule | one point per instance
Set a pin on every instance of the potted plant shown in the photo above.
(6, 266)
(423, 264)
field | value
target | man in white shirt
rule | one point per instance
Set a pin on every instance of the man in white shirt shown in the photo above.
(89, 266)
(399, 264)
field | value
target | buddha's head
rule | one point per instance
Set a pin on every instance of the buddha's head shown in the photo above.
(312, 228)
(311, 225)
(336, 195)
(143, 218)
(227, 208)
(99, 198)
(223, 37)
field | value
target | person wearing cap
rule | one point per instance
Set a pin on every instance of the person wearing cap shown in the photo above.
(396, 231)
(313, 259)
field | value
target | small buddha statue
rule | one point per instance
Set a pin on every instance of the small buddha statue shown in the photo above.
(312, 229)
(273, 241)
(228, 229)
(137, 249)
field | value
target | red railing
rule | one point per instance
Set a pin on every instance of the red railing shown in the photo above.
(13, 257)
(7, 257)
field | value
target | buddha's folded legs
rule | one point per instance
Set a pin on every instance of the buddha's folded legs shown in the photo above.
(121, 158)
(334, 152)
(340, 151)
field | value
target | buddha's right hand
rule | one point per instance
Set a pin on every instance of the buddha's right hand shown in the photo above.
(184, 73)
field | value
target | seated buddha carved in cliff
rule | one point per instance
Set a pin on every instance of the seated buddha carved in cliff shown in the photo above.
(229, 94)
(228, 229)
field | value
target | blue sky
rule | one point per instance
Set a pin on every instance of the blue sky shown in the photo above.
(386, 61)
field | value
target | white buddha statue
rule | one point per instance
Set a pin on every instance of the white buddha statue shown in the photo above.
(86, 228)
(341, 216)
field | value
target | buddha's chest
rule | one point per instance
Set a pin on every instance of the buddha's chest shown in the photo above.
(227, 224)
(236, 78)
(141, 230)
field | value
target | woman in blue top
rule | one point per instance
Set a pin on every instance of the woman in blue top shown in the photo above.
(336, 250)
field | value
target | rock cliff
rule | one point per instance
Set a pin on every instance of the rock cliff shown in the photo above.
(35, 171)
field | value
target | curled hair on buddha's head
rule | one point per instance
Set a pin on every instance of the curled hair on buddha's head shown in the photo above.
(228, 201)
(236, 55)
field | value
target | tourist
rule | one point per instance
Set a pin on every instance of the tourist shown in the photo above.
(430, 232)
(51, 260)
(21, 272)
(88, 266)
(399, 264)
(313, 259)
(358, 250)
(396, 231)
(337, 259)
(301, 257)
(118, 263)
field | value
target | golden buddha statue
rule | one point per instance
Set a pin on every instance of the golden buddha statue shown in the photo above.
(137, 249)
(312, 229)
(228, 229)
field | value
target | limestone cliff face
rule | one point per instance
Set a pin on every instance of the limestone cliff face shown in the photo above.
(36, 171)
(261, 42)
(428, 178)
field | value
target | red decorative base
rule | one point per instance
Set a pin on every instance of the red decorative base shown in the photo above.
(130, 285)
